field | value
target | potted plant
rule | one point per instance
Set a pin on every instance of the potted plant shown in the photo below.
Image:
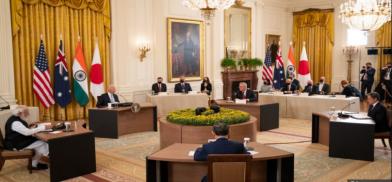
(228, 63)
(255, 62)
(245, 63)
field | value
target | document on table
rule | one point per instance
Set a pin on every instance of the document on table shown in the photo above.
(252, 152)
(191, 153)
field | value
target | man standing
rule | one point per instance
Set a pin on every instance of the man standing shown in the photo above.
(19, 136)
(322, 88)
(109, 97)
(159, 86)
(182, 87)
(367, 78)
(244, 93)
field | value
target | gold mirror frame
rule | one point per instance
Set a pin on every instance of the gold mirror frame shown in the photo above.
(227, 13)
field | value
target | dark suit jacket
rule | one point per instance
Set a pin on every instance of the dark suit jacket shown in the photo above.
(350, 91)
(370, 75)
(178, 88)
(296, 82)
(379, 116)
(208, 88)
(249, 95)
(326, 88)
(104, 99)
(310, 89)
(220, 146)
(293, 87)
(155, 88)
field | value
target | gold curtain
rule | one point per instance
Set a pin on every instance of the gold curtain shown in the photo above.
(30, 18)
(315, 28)
(384, 39)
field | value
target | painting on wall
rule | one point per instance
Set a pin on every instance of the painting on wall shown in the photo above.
(185, 43)
(272, 41)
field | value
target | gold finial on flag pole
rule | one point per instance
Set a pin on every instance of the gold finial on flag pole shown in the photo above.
(303, 43)
(42, 36)
(291, 43)
(61, 36)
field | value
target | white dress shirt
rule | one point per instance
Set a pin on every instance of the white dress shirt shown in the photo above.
(111, 97)
(20, 128)
(321, 85)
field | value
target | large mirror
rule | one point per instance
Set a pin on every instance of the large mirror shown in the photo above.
(238, 20)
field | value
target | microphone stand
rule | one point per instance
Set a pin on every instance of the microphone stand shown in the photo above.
(341, 115)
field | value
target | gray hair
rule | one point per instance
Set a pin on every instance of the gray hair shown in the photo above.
(19, 110)
(244, 84)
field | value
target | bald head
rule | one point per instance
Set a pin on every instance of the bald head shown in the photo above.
(112, 89)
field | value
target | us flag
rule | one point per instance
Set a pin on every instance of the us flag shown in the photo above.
(267, 67)
(42, 85)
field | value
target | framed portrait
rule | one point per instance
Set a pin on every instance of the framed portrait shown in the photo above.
(273, 42)
(185, 47)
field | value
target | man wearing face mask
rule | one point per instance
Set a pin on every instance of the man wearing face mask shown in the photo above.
(367, 78)
(310, 88)
(182, 87)
(159, 86)
(322, 88)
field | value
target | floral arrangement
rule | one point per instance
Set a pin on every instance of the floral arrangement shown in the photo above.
(208, 117)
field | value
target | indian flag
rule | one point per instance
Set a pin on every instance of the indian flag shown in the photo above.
(80, 83)
(291, 62)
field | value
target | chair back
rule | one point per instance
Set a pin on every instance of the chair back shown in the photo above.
(1, 141)
(229, 167)
(389, 117)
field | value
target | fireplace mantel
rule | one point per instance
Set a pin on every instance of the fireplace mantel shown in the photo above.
(232, 77)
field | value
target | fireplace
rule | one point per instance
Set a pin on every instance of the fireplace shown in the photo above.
(231, 80)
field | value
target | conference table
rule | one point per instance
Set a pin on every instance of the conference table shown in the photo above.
(114, 122)
(267, 114)
(174, 164)
(5, 114)
(72, 154)
(350, 138)
(302, 106)
(168, 102)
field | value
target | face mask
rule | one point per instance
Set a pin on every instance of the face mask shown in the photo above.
(159, 81)
(389, 66)
(321, 81)
(182, 81)
(309, 84)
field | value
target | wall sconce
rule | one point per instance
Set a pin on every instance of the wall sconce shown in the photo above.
(143, 47)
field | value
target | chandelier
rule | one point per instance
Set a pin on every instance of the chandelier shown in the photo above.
(366, 15)
(208, 7)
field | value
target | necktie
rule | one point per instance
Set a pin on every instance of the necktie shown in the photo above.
(244, 95)
(159, 87)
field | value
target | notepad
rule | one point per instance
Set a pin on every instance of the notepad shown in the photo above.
(252, 152)
(56, 132)
(191, 153)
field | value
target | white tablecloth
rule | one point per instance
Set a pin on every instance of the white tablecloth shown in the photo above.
(4, 115)
(174, 101)
(302, 106)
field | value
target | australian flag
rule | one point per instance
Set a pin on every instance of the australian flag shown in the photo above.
(61, 80)
(279, 78)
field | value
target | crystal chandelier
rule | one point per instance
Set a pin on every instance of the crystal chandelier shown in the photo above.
(208, 7)
(366, 15)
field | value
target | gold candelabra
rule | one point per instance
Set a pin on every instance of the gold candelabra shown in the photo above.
(350, 52)
(143, 51)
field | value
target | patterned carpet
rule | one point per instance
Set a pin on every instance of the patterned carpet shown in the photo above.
(122, 160)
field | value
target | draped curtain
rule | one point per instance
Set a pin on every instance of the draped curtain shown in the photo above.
(384, 39)
(316, 28)
(89, 19)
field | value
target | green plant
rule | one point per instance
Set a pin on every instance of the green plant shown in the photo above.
(245, 62)
(207, 118)
(228, 63)
(255, 62)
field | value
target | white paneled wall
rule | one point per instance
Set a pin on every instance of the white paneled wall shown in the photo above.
(7, 87)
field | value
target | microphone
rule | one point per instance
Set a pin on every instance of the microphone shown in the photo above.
(122, 97)
(341, 115)
(4, 107)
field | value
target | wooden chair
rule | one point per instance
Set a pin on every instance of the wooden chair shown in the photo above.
(10, 154)
(229, 167)
(388, 134)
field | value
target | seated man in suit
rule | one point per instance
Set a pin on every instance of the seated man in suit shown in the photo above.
(378, 113)
(310, 88)
(222, 145)
(290, 86)
(109, 97)
(295, 82)
(19, 136)
(182, 87)
(322, 87)
(245, 93)
(349, 90)
(159, 86)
